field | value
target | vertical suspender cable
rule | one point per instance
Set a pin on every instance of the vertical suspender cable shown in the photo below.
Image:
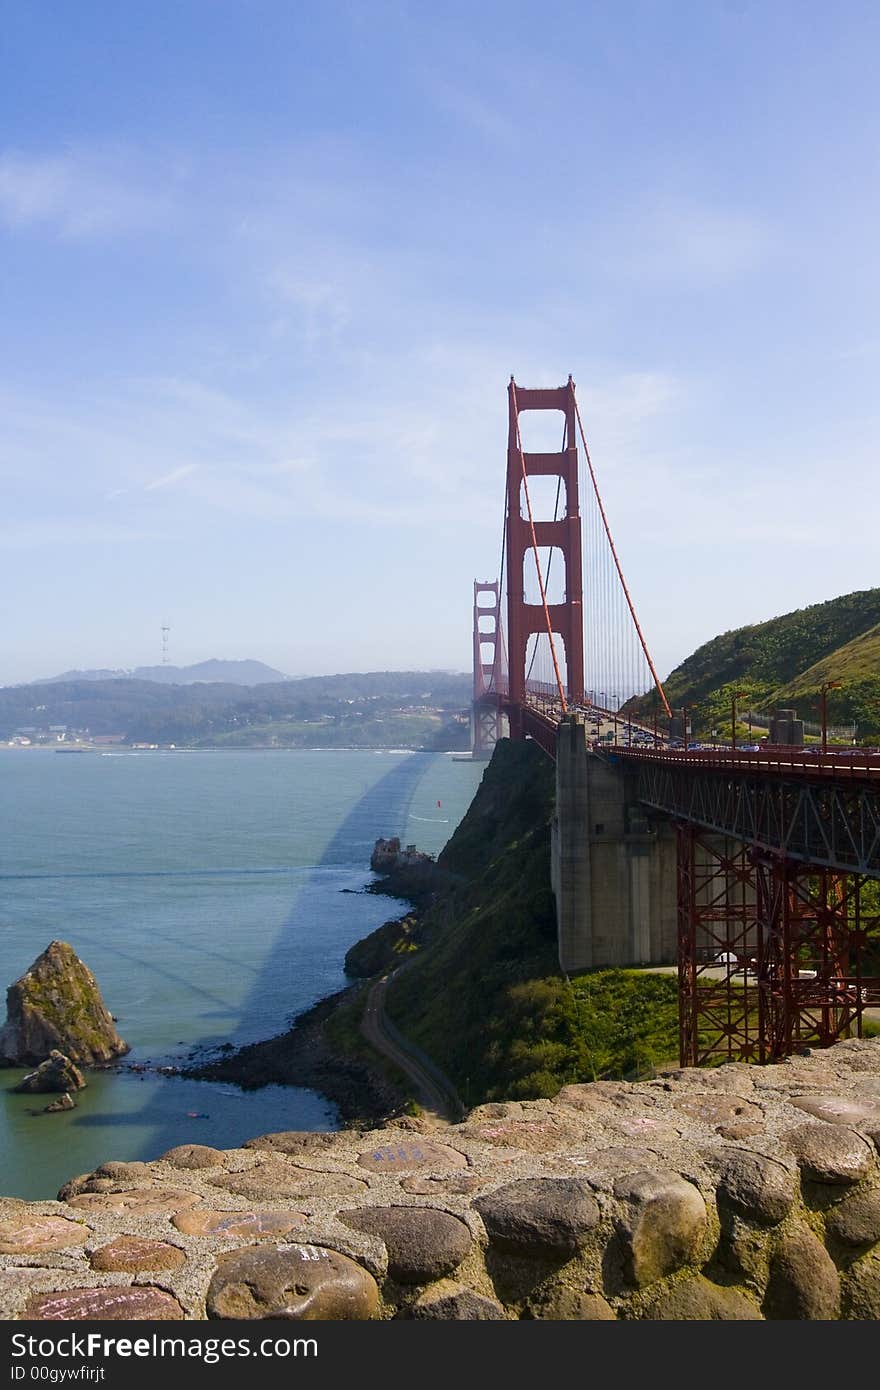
(629, 601)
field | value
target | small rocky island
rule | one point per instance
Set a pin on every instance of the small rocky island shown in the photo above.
(56, 1006)
(404, 871)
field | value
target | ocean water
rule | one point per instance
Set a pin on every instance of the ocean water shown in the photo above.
(213, 895)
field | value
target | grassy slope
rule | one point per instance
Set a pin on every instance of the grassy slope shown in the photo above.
(485, 996)
(785, 660)
(857, 666)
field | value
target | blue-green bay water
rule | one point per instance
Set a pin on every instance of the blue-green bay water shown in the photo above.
(214, 896)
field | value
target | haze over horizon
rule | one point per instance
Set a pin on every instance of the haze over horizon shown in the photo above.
(166, 672)
(267, 268)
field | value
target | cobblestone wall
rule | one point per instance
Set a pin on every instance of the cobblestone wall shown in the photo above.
(742, 1192)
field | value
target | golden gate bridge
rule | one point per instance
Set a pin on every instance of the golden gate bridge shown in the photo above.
(777, 849)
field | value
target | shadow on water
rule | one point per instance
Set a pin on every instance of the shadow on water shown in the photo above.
(382, 810)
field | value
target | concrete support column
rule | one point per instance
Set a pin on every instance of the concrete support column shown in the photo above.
(613, 870)
(570, 853)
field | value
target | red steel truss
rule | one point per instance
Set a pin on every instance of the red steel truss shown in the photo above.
(771, 952)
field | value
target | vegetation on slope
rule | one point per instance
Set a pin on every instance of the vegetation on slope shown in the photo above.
(484, 995)
(785, 661)
(857, 666)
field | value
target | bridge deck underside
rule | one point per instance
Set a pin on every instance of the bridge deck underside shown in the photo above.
(833, 825)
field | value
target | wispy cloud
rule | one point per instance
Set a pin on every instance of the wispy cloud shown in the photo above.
(684, 239)
(168, 479)
(473, 111)
(51, 532)
(78, 194)
(324, 306)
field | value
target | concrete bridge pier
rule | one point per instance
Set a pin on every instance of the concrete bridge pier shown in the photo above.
(613, 864)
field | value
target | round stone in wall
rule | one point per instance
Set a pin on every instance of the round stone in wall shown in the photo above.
(134, 1254)
(699, 1300)
(532, 1136)
(117, 1303)
(138, 1201)
(422, 1242)
(299, 1282)
(831, 1153)
(662, 1222)
(203, 1221)
(541, 1215)
(561, 1304)
(127, 1173)
(293, 1141)
(839, 1110)
(277, 1179)
(856, 1220)
(803, 1283)
(719, 1109)
(452, 1302)
(862, 1289)
(410, 1155)
(37, 1235)
(193, 1156)
(758, 1188)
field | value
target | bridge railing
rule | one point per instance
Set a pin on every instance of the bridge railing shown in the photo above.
(830, 765)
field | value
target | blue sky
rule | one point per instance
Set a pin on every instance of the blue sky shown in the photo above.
(265, 270)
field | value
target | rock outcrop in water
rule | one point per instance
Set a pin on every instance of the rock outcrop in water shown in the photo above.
(405, 872)
(57, 1005)
(57, 1073)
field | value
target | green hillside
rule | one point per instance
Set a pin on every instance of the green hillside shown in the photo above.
(483, 994)
(784, 661)
(857, 666)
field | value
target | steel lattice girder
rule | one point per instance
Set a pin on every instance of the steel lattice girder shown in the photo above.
(720, 1006)
(770, 951)
(835, 827)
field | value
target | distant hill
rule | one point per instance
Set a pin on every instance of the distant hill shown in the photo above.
(226, 672)
(375, 709)
(785, 661)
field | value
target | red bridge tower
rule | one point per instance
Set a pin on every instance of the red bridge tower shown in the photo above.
(525, 533)
(487, 713)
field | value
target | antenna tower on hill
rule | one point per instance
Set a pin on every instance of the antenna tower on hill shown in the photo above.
(165, 632)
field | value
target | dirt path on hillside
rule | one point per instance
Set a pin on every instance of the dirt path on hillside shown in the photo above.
(436, 1092)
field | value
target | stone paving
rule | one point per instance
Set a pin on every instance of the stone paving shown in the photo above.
(736, 1193)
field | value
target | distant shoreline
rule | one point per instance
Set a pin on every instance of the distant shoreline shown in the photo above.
(119, 750)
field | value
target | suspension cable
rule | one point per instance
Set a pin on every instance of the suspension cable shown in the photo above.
(522, 460)
(657, 683)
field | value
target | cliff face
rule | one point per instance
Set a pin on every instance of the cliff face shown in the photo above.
(739, 1193)
(57, 1005)
(483, 994)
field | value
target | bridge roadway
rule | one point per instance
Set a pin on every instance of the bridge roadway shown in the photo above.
(820, 808)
